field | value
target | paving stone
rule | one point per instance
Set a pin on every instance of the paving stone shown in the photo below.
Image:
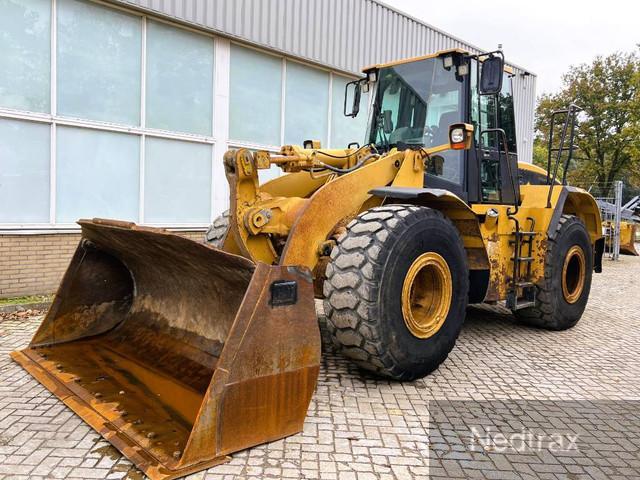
(362, 428)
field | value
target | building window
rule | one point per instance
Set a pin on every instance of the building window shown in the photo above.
(346, 130)
(177, 182)
(99, 62)
(255, 96)
(179, 80)
(24, 171)
(306, 104)
(25, 54)
(97, 175)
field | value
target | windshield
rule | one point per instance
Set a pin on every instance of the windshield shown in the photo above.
(415, 104)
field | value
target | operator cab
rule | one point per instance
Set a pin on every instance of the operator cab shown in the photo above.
(415, 101)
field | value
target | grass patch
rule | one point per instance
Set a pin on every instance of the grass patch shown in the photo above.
(25, 300)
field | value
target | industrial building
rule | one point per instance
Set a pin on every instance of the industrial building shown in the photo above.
(123, 109)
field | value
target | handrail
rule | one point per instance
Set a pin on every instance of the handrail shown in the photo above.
(570, 117)
(516, 191)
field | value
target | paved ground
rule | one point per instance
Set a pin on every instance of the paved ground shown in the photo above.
(501, 378)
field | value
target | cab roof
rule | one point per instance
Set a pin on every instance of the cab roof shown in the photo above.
(423, 57)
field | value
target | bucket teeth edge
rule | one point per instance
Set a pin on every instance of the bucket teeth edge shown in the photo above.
(128, 449)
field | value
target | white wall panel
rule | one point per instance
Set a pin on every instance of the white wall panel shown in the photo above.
(306, 104)
(97, 175)
(24, 171)
(179, 78)
(99, 60)
(25, 58)
(177, 182)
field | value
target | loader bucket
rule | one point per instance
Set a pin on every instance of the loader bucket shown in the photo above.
(628, 239)
(175, 352)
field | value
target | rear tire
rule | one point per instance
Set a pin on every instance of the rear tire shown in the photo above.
(562, 295)
(217, 232)
(365, 290)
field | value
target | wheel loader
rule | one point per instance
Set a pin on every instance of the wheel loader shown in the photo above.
(180, 353)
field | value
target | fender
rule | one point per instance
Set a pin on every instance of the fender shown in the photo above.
(465, 220)
(578, 202)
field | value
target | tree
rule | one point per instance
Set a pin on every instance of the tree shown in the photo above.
(608, 132)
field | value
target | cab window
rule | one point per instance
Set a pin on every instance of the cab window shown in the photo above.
(486, 113)
(415, 104)
(506, 116)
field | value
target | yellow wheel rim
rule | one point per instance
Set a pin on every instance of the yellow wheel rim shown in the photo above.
(573, 274)
(426, 295)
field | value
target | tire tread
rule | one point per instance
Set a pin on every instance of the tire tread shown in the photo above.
(350, 289)
(217, 231)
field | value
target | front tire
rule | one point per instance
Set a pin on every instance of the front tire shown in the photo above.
(563, 293)
(217, 232)
(396, 290)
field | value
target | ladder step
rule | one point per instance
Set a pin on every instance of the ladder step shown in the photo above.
(526, 241)
(529, 233)
(523, 259)
(524, 284)
(521, 305)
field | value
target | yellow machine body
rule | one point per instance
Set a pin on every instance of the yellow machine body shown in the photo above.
(321, 209)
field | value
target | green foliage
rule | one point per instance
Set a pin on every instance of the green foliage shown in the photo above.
(608, 133)
(25, 300)
(540, 152)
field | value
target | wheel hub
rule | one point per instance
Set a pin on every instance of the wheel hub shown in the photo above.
(426, 295)
(573, 274)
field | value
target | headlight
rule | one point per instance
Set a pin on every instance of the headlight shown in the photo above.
(460, 135)
(457, 135)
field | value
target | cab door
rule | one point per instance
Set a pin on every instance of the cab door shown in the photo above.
(495, 155)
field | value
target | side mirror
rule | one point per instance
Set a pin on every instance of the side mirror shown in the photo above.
(387, 122)
(491, 75)
(353, 89)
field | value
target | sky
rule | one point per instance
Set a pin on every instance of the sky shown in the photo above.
(544, 37)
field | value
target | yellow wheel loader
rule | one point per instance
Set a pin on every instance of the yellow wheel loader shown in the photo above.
(180, 353)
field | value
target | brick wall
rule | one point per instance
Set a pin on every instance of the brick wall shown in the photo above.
(34, 264)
